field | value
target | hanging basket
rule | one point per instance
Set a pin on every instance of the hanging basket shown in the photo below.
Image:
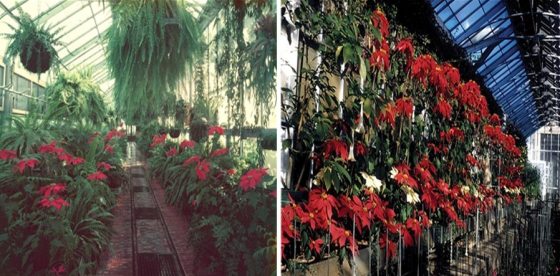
(198, 131)
(36, 58)
(174, 132)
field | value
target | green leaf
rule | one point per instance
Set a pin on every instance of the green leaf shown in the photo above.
(363, 69)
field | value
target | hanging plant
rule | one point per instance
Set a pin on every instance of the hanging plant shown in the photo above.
(151, 45)
(75, 97)
(34, 44)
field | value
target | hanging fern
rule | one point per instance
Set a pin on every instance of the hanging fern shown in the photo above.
(151, 45)
(75, 97)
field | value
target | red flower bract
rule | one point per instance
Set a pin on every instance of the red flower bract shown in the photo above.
(187, 144)
(443, 108)
(191, 160)
(50, 148)
(25, 163)
(380, 57)
(52, 189)
(404, 107)
(202, 169)
(336, 146)
(55, 202)
(7, 154)
(219, 152)
(158, 139)
(405, 46)
(108, 149)
(252, 178)
(98, 175)
(104, 165)
(112, 134)
(215, 130)
(379, 21)
(171, 152)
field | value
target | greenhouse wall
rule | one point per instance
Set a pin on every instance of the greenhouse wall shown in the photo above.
(543, 150)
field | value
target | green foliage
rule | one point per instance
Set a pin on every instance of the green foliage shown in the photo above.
(24, 134)
(532, 180)
(75, 97)
(151, 44)
(30, 40)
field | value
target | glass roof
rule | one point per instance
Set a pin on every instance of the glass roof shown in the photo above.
(484, 30)
(84, 25)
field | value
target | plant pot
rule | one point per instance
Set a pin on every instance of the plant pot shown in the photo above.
(174, 133)
(131, 138)
(162, 131)
(37, 59)
(198, 131)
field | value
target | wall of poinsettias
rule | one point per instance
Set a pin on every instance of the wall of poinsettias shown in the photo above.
(386, 139)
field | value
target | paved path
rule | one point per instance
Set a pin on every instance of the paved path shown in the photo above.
(149, 236)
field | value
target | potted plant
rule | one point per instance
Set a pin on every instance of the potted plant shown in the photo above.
(180, 114)
(34, 44)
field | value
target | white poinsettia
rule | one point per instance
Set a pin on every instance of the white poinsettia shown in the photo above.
(465, 189)
(372, 181)
(394, 172)
(411, 195)
(515, 191)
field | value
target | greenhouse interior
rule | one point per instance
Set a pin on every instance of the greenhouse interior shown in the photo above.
(138, 137)
(419, 137)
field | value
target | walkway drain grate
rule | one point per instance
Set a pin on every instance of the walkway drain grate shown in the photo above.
(151, 264)
(138, 189)
(145, 213)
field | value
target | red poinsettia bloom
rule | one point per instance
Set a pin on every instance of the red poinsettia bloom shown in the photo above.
(252, 178)
(52, 189)
(215, 130)
(404, 106)
(187, 144)
(391, 246)
(387, 114)
(7, 154)
(76, 161)
(171, 152)
(414, 225)
(379, 21)
(443, 108)
(341, 236)
(25, 163)
(56, 202)
(359, 149)
(403, 176)
(338, 147)
(379, 58)
(471, 160)
(108, 149)
(191, 160)
(323, 202)
(113, 133)
(158, 140)
(50, 148)
(452, 74)
(219, 152)
(315, 245)
(421, 67)
(495, 119)
(98, 175)
(405, 46)
(58, 270)
(104, 165)
(202, 169)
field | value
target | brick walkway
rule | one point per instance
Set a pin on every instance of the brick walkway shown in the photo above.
(149, 236)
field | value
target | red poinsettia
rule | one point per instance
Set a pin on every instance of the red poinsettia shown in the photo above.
(471, 160)
(405, 46)
(58, 270)
(187, 144)
(76, 161)
(379, 58)
(379, 21)
(252, 178)
(443, 108)
(323, 202)
(404, 107)
(421, 67)
(219, 152)
(7, 154)
(191, 160)
(391, 247)
(452, 74)
(336, 146)
(108, 149)
(52, 189)
(98, 175)
(104, 165)
(360, 149)
(341, 237)
(315, 245)
(25, 163)
(403, 176)
(202, 169)
(158, 140)
(495, 119)
(112, 134)
(414, 225)
(56, 202)
(171, 152)
(387, 114)
(215, 130)
(50, 148)
(438, 80)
